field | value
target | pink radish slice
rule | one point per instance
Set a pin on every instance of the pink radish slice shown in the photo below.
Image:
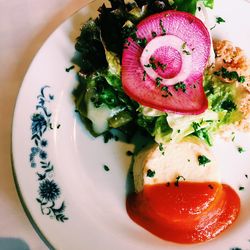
(170, 62)
(175, 45)
(179, 51)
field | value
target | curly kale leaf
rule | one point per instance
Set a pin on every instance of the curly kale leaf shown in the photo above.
(92, 54)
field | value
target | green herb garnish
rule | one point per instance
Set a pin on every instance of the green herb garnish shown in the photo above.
(161, 148)
(203, 160)
(151, 64)
(150, 173)
(241, 188)
(220, 20)
(154, 34)
(144, 75)
(129, 153)
(178, 178)
(162, 66)
(180, 85)
(186, 52)
(162, 28)
(228, 105)
(70, 68)
(106, 168)
(158, 81)
(231, 75)
(240, 149)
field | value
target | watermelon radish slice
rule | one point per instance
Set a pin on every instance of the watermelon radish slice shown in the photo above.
(167, 74)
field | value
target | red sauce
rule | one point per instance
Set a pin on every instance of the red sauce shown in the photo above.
(188, 213)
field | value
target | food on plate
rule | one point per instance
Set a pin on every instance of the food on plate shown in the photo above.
(179, 193)
(153, 67)
(174, 56)
(190, 158)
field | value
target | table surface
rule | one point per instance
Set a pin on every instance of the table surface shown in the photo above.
(24, 26)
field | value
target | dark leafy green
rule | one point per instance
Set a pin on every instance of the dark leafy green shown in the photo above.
(184, 5)
(92, 55)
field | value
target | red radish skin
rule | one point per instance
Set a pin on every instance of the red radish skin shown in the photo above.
(140, 87)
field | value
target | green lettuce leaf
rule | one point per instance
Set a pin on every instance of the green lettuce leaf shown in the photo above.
(208, 3)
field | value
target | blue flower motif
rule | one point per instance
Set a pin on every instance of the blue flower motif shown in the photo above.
(43, 155)
(33, 164)
(39, 123)
(34, 150)
(44, 143)
(49, 190)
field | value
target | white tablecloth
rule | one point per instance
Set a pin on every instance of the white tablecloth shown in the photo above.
(24, 26)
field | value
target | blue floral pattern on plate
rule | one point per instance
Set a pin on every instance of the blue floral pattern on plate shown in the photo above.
(48, 192)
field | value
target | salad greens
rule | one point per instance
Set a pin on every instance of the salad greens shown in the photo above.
(100, 99)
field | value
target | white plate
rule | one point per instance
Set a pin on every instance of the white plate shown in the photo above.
(47, 134)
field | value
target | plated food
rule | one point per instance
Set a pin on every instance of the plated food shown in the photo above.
(76, 187)
(153, 67)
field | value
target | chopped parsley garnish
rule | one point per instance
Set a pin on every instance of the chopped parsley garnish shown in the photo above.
(220, 20)
(233, 136)
(186, 52)
(241, 188)
(231, 75)
(162, 66)
(168, 184)
(126, 43)
(246, 176)
(129, 153)
(203, 160)
(161, 148)
(140, 41)
(151, 64)
(108, 136)
(106, 168)
(144, 75)
(210, 186)
(158, 81)
(180, 85)
(165, 88)
(240, 149)
(70, 68)
(183, 46)
(228, 105)
(162, 28)
(150, 173)
(178, 178)
(154, 34)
